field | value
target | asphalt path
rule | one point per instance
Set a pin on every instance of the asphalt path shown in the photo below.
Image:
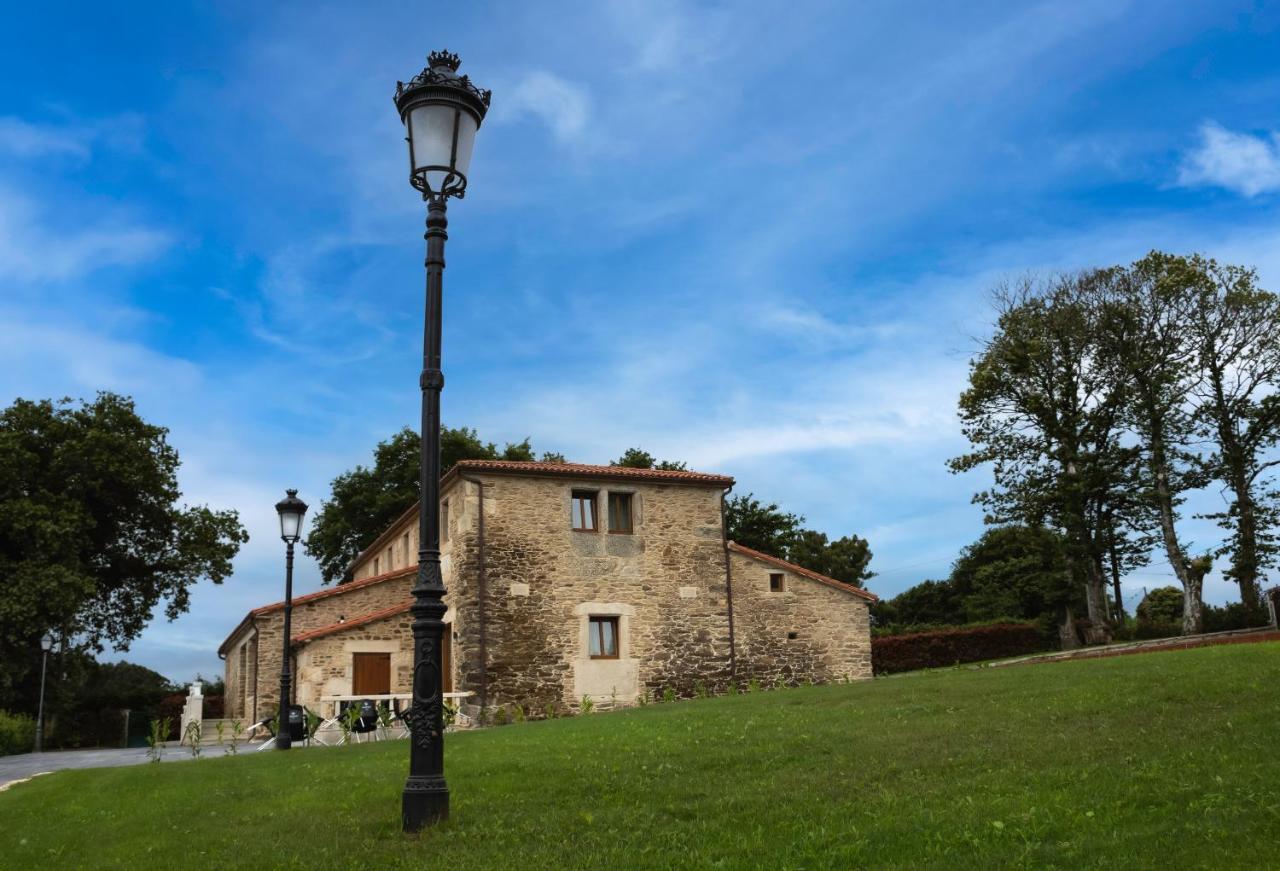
(27, 764)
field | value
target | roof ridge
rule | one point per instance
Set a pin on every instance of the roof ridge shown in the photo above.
(801, 570)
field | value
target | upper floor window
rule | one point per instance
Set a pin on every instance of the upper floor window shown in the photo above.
(375, 565)
(407, 560)
(444, 521)
(620, 512)
(776, 583)
(583, 515)
(602, 640)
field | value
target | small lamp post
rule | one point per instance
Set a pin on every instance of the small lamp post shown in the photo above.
(291, 510)
(441, 112)
(46, 644)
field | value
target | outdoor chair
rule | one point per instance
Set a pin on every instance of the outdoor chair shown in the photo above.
(368, 721)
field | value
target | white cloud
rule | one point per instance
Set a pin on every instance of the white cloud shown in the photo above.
(32, 251)
(560, 104)
(23, 139)
(27, 139)
(1242, 162)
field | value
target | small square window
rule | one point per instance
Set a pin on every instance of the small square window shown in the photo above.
(776, 583)
(602, 638)
(620, 513)
(583, 511)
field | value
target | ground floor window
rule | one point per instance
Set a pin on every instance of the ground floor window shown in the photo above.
(602, 637)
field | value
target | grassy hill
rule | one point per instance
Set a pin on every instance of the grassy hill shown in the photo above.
(1167, 759)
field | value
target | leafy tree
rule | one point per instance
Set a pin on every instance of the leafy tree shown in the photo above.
(1014, 571)
(363, 502)
(123, 685)
(634, 458)
(928, 602)
(845, 559)
(1044, 410)
(552, 457)
(92, 535)
(1235, 328)
(1160, 606)
(1145, 336)
(766, 528)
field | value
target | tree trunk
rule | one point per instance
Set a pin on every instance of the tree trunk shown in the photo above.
(1067, 639)
(1192, 607)
(1192, 604)
(1115, 580)
(1244, 562)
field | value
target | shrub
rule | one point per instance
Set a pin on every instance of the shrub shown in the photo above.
(1163, 605)
(947, 647)
(1236, 615)
(17, 733)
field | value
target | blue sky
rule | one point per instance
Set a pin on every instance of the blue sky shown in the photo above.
(755, 236)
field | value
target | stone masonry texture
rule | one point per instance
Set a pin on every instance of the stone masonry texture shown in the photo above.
(523, 639)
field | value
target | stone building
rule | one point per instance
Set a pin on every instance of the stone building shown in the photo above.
(564, 581)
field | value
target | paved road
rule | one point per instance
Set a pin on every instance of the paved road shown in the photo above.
(27, 764)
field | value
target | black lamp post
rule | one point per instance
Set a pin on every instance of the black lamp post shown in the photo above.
(441, 112)
(46, 644)
(291, 509)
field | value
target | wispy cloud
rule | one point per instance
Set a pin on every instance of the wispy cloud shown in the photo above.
(33, 249)
(1241, 162)
(27, 139)
(562, 105)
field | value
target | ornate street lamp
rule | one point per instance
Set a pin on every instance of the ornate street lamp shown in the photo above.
(441, 112)
(46, 644)
(291, 510)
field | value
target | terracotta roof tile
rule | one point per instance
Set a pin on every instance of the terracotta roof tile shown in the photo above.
(311, 634)
(583, 470)
(801, 570)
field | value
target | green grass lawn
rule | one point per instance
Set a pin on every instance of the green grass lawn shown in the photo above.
(1165, 759)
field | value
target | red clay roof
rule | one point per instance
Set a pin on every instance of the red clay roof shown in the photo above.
(304, 637)
(801, 570)
(582, 470)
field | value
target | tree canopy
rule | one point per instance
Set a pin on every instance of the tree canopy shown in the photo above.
(635, 458)
(92, 533)
(767, 528)
(1016, 571)
(1104, 397)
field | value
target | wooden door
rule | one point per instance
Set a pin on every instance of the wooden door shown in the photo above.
(446, 657)
(370, 674)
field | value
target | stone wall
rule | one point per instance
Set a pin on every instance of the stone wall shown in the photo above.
(324, 665)
(831, 628)
(264, 683)
(544, 580)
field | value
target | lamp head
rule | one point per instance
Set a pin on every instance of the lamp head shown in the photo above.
(291, 510)
(441, 112)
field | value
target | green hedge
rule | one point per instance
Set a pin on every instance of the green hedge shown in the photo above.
(946, 647)
(17, 733)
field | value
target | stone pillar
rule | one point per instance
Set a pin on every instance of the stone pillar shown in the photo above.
(192, 710)
(1273, 605)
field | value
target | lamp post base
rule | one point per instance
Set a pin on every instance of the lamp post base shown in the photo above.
(426, 802)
